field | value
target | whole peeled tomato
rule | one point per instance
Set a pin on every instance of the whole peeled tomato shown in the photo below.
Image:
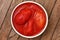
(23, 16)
(28, 28)
(40, 19)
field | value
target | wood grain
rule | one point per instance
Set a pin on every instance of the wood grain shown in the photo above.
(56, 34)
(52, 23)
(14, 38)
(51, 33)
(4, 7)
(12, 33)
(6, 26)
(15, 2)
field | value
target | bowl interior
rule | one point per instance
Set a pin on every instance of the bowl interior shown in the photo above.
(43, 28)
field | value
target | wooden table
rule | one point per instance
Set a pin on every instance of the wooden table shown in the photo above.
(52, 32)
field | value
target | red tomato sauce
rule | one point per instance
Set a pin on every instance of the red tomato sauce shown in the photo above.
(29, 19)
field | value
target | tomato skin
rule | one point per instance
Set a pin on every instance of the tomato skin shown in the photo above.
(28, 27)
(23, 16)
(29, 20)
(39, 18)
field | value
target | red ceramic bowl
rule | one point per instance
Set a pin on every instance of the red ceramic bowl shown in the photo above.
(40, 19)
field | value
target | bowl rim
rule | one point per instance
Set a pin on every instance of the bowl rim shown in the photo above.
(42, 29)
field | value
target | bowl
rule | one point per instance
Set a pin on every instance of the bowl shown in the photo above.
(42, 29)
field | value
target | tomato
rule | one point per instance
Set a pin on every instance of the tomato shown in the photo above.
(29, 19)
(28, 27)
(23, 16)
(39, 18)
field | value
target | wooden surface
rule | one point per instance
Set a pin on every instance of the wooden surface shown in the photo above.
(51, 33)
